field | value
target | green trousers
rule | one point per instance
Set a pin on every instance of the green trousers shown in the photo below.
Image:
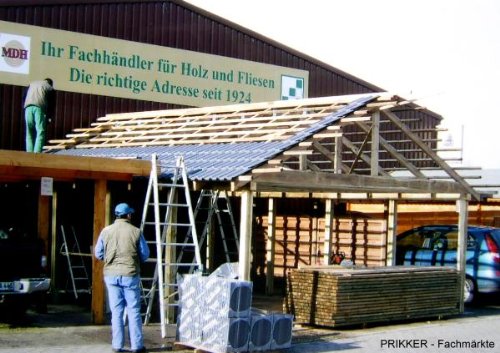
(36, 124)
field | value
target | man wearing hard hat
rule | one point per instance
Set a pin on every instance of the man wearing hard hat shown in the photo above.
(122, 247)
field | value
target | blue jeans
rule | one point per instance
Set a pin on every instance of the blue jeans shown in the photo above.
(125, 292)
(36, 124)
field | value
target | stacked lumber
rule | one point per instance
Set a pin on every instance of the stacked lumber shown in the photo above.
(300, 241)
(362, 240)
(333, 296)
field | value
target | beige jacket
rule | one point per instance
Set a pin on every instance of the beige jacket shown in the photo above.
(121, 241)
(38, 94)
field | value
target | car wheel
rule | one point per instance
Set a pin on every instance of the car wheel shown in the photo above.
(469, 290)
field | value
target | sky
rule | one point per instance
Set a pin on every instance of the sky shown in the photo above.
(443, 53)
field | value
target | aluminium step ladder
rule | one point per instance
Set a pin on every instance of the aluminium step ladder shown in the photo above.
(169, 229)
(78, 274)
(216, 203)
(227, 226)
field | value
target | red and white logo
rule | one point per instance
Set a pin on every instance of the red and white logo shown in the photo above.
(14, 53)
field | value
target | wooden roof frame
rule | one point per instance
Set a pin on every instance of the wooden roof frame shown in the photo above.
(279, 121)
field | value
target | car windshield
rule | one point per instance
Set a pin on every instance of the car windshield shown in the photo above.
(430, 238)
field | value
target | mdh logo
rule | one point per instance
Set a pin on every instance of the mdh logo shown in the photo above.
(14, 53)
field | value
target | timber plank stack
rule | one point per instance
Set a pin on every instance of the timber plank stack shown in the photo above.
(300, 240)
(333, 296)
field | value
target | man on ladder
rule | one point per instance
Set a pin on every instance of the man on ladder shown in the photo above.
(122, 247)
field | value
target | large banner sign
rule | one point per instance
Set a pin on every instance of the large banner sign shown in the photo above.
(111, 67)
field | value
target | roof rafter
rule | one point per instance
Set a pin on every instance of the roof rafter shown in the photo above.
(394, 118)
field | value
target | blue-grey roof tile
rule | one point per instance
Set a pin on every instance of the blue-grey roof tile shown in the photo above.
(220, 162)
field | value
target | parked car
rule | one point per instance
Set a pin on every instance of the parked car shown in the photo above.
(23, 280)
(436, 245)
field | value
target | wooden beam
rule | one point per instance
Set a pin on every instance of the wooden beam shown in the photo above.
(359, 152)
(366, 159)
(44, 204)
(327, 244)
(394, 152)
(298, 152)
(392, 223)
(353, 119)
(101, 215)
(302, 162)
(312, 166)
(375, 135)
(13, 174)
(245, 235)
(270, 245)
(337, 156)
(439, 161)
(324, 151)
(463, 215)
(35, 165)
(296, 181)
(304, 104)
(53, 246)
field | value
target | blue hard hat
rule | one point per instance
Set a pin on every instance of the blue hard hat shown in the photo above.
(123, 209)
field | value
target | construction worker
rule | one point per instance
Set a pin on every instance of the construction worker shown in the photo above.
(122, 247)
(38, 104)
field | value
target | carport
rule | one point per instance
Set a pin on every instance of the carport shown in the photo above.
(326, 148)
(19, 167)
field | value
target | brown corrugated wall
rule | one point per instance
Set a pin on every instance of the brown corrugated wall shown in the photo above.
(167, 23)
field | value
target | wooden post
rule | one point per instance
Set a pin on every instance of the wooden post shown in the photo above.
(392, 222)
(270, 245)
(329, 216)
(337, 159)
(463, 214)
(245, 235)
(302, 162)
(101, 218)
(44, 222)
(374, 167)
(53, 247)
